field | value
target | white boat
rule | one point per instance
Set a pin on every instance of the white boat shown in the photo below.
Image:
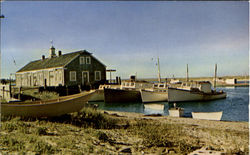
(201, 92)
(159, 93)
(99, 93)
(176, 112)
(129, 91)
(207, 115)
(48, 108)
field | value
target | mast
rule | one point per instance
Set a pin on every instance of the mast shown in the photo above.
(187, 73)
(215, 76)
(159, 75)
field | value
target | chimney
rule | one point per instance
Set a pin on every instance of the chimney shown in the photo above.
(52, 52)
(43, 57)
(59, 53)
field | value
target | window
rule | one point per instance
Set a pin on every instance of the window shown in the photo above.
(85, 60)
(82, 60)
(97, 75)
(88, 60)
(72, 75)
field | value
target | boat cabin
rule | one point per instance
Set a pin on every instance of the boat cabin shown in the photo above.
(203, 86)
(160, 85)
(136, 85)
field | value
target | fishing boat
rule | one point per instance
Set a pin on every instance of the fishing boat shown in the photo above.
(159, 93)
(98, 95)
(48, 108)
(201, 92)
(120, 95)
(208, 115)
(129, 91)
(154, 96)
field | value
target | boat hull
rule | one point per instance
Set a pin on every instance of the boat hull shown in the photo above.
(153, 96)
(120, 95)
(207, 115)
(180, 95)
(98, 95)
(49, 108)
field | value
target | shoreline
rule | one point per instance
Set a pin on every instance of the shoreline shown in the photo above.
(213, 136)
(241, 125)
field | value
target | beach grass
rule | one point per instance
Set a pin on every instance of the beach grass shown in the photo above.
(91, 131)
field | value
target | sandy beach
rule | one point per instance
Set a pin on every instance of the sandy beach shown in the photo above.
(224, 136)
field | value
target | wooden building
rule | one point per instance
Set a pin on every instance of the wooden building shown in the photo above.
(71, 69)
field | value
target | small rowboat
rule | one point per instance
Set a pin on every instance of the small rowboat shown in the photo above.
(48, 108)
(176, 112)
(208, 115)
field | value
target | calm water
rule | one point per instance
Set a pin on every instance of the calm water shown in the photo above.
(234, 107)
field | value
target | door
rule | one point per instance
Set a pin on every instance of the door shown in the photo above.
(85, 77)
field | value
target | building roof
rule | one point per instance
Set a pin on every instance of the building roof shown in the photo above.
(59, 61)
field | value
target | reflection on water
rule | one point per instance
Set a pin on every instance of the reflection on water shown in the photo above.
(234, 107)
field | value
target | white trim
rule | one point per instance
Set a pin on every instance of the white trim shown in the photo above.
(70, 76)
(100, 76)
(63, 74)
(88, 58)
(82, 60)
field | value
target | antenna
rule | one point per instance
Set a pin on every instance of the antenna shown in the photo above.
(51, 41)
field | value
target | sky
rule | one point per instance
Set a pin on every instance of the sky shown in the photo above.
(130, 36)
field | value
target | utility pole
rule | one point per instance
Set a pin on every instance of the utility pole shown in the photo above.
(1, 16)
(187, 74)
(159, 72)
(215, 76)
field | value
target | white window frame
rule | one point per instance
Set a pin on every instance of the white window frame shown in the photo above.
(100, 76)
(71, 74)
(82, 60)
(88, 58)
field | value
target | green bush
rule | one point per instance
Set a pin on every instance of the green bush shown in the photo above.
(89, 117)
(41, 147)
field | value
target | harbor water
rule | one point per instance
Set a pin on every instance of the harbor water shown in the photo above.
(235, 107)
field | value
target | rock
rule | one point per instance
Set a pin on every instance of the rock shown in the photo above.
(165, 151)
(126, 150)
(171, 152)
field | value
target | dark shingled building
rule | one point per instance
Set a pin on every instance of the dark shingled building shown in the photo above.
(76, 68)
